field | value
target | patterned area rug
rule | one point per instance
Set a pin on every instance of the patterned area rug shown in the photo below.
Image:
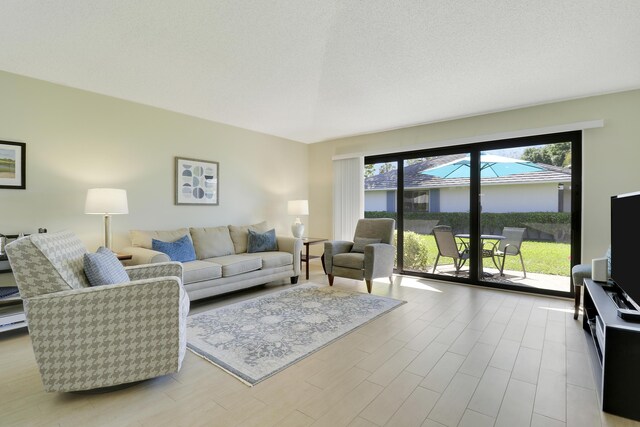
(257, 338)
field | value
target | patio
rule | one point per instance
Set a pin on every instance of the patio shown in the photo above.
(514, 277)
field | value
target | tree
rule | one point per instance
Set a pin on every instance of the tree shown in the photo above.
(378, 168)
(369, 170)
(553, 154)
(386, 167)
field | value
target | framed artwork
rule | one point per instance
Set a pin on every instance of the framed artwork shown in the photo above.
(197, 182)
(13, 165)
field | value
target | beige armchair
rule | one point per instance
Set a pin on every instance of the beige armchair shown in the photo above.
(93, 337)
(369, 256)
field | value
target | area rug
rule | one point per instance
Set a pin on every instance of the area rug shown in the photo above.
(257, 338)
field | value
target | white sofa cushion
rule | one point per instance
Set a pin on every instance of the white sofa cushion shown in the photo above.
(198, 271)
(233, 265)
(210, 242)
(240, 235)
(276, 259)
(142, 238)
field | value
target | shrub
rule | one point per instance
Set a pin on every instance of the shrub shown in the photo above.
(416, 250)
(541, 226)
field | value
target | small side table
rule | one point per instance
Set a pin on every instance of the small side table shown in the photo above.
(308, 241)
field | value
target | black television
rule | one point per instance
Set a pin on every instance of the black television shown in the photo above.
(625, 247)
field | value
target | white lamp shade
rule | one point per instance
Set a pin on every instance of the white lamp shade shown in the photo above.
(106, 201)
(298, 207)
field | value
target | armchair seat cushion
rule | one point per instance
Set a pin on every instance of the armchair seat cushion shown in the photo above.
(353, 260)
(198, 271)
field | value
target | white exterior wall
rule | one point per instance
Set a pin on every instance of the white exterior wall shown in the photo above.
(375, 200)
(567, 197)
(495, 198)
(454, 199)
(520, 198)
(504, 198)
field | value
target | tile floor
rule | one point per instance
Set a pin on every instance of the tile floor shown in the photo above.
(452, 356)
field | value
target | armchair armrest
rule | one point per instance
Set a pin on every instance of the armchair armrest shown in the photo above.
(152, 271)
(378, 260)
(292, 245)
(332, 248)
(113, 334)
(144, 256)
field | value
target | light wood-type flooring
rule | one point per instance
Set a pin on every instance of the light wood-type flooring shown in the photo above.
(452, 356)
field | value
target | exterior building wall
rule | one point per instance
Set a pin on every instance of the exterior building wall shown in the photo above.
(375, 200)
(567, 197)
(520, 198)
(454, 199)
(495, 198)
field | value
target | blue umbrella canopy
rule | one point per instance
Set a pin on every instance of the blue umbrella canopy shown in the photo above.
(490, 167)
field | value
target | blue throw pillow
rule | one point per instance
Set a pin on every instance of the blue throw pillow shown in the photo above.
(180, 250)
(104, 268)
(262, 242)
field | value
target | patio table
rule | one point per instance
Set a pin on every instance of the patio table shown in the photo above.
(493, 238)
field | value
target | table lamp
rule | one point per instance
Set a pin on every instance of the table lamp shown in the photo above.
(297, 208)
(107, 202)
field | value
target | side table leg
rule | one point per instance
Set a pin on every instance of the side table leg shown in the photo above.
(307, 266)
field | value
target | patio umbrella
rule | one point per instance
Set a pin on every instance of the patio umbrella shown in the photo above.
(490, 167)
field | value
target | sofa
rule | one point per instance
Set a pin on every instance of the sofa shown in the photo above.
(222, 262)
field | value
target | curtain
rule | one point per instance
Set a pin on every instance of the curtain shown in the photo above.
(348, 196)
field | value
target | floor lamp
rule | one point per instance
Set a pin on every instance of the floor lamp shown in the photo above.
(107, 202)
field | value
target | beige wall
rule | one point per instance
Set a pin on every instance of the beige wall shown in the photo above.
(78, 140)
(611, 155)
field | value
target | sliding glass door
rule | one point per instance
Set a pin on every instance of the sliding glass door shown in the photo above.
(525, 220)
(435, 213)
(499, 213)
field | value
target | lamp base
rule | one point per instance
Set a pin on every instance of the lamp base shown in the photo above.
(297, 229)
(107, 231)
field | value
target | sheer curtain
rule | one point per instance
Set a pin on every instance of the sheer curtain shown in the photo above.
(348, 196)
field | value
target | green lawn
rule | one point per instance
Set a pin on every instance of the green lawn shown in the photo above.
(539, 257)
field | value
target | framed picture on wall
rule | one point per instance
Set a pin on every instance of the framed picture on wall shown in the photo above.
(197, 182)
(13, 165)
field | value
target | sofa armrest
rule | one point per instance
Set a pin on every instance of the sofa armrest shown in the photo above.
(152, 271)
(293, 246)
(378, 260)
(144, 256)
(334, 247)
(107, 332)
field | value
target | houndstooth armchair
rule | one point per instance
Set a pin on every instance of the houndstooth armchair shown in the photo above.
(93, 337)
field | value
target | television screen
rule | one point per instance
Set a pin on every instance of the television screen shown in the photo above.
(625, 241)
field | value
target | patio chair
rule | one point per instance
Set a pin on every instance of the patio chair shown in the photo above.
(447, 247)
(510, 245)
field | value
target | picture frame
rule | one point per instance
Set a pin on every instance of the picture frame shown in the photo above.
(13, 165)
(197, 182)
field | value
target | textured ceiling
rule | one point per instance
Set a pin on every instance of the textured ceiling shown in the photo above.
(317, 70)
